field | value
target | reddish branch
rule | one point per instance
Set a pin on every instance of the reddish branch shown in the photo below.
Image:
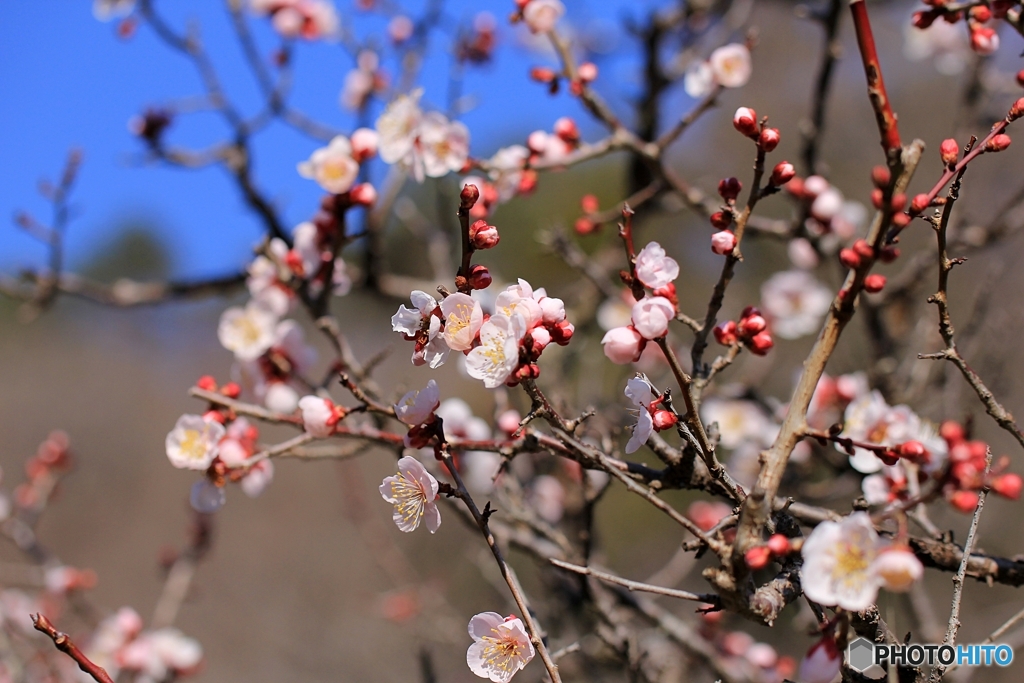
(876, 84)
(65, 645)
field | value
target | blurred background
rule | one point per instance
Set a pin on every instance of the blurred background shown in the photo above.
(306, 582)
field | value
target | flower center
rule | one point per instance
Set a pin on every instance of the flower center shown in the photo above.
(410, 496)
(192, 446)
(501, 652)
(458, 319)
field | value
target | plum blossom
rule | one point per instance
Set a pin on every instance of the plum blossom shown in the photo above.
(478, 468)
(498, 354)
(739, 421)
(838, 563)
(640, 392)
(794, 303)
(729, 66)
(421, 324)
(506, 170)
(413, 492)
(948, 44)
(443, 145)
(623, 345)
(265, 282)
(898, 568)
(501, 646)
(417, 406)
(654, 268)
(309, 19)
(398, 127)
(318, 415)
(463, 318)
(247, 332)
(870, 419)
(699, 79)
(542, 15)
(193, 442)
(651, 316)
(332, 166)
(257, 478)
(157, 655)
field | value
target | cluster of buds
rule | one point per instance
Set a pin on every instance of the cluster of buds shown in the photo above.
(586, 73)
(745, 121)
(724, 241)
(751, 330)
(966, 476)
(777, 547)
(151, 125)
(477, 46)
(43, 470)
(586, 224)
(824, 204)
(553, 147)
(861, 252)
(984, 38)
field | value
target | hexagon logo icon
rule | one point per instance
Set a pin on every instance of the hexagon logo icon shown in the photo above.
(860, 653)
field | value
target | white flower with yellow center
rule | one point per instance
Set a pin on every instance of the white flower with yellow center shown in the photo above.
(444, 144)
(463, 317)
(192, 444)
(502, 646)
(498, 354)
(332, 166)
(247, 332)
(839, 563)
(731, 65)
(413, 492)
(398, 128)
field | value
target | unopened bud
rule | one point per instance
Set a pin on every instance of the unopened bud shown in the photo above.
(587, 72)
(901, 220)
(769, 139)
(874, 283)
(949, 150)
(483, 236)
(998, 143)
(584, 226)
(479, 277)
(923, 20)
(729, 188)
(231, 390)
(919, 204)
(751, 325)
(1017, 110)
(542, 74)
(898, 202)
(725, 333)
(761, 343)
(723, 242)
(914, 451)
(877, 197)
(721, 219)
(779, 545)
(363, 194)
(880, 176)
(1020, 78)
(757, 557)
(566, 129)
(589, 203)
(964, 501)
(745, 121)
(980, 14)
(470, 195)
(207, 383)
(663, 419)
(1007, 486)
(849, 258)
(984, 40)
(863, 249)
(782, 173)
(952, 432)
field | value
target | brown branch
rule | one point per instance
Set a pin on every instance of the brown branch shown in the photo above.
(607, 577)
(65, 645)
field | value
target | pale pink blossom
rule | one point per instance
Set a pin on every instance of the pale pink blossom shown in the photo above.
(266, 279)
(332, 166)
(651, 316)
(948, 44)
(421, 321)
(498, 354)
(723, 242)
(506, 170)
(398, 127)
(257, 478)
(417, 406)
(193, 442)
(731, 65)
(802, 254)
(699, 79)
(318, 415)
(247, 332)
(356, 89)
(795, 303)
(542, 15)
(654, 268)
(838, 567)
(443, 145)
(158, 655)
(870, 419)
(501, 646)
(463, 318)
(898, 568)
(365, 142)
(827, 204)
(639, 391)
(738, 421)
(306, 245)
(400, 28)
(622, 345)
(413, 492)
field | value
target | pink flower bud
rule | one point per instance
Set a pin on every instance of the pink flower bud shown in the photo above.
(984, 40)
(206, 383)
(231, 390)
(782, 173)
(1008, 486)
(479, 277)
(584, 226)
(745, 121)
(827, 204)
(552, 310)
(723, 242)
(543, 74)
(623, 345)
(998, 143)
(779, 545)
(821, 663)
(898, 201)
(980, 14)
(587, 72)
(863, 249)
(508, 421)
(590, 204)
(1017, 110)
(721, 219)
(949, 150)
(815, 185)
(769, 139)
(757, 557)
(849, 258)
(761, 343)
(364, 144)
(562, 332)
(663, 419)
(651, 316)
(874, 283)
(537, 141)
(363, 194)
(751, 325)
(919, 204)
(877, 197)
(952, 432)
(483, 236)
(880, 176)
(901, 220)
(725, 333)
(729, 188)
(964, 501)
(541, 338)
(469, 196)
(566, 129)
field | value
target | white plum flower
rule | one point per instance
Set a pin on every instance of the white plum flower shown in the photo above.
(306, 240)
(443, 144)
(838, 567)
(639, 391)
(739, 421)
(398, 127)
(869, 419)
(731, 65)
(247, 332)
(281, 397)
(193, 442)
(264, 280)
(501, 646)
(257, 478)
(463, 317)
(794, 303)
(332, 166)
(654, 268)
(540, 16)
(416, 407)
(699, 79)
(413, 492)
(498, 354)
(506, 170)
(421, 324)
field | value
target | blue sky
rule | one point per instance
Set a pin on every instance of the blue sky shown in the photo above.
(69, 81)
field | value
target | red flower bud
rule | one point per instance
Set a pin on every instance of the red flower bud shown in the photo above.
(949, 150)
(761, 343)
(721, 219)
(757, 557)
(779, 545)
(585, 226)
(914, 451)
(725, 333)
(751, 325)
(210, 416)
(980, 13)
(796, 188)
(984, 40)
(542, 74)
(483, 236)
(782, 173)
(562, 332)
(363, 194)
(923, 20)
(874, 283)
(729, 188)
(880, 176)
(470, 194)
(888, 456)
(589, 203)
(207, 383)
(745, 121)
(919, 204)
(877, 197)
(889, 254)
(1008, 486)
(898, 201)
(1017, 110)
(901, 220)
(863, 249)
(1020, 78)
(769, 139)
(964, 501)
(998, 143)
(952, 432)
(479, 277)
(849, 258)
(566, 129)
(231, 390)
(749, 311)
(663, 419)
